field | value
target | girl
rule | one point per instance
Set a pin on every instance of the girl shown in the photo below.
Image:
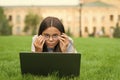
(52, 38)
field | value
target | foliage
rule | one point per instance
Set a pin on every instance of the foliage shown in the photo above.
(116, 33)
(5, 28)
(69, 32)
(26, 29)
(31, 22)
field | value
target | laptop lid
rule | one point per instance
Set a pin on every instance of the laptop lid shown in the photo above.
(66, 64)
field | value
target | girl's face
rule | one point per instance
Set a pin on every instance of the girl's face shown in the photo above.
(51, 36)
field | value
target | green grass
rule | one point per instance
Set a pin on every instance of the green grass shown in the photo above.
(100, 58)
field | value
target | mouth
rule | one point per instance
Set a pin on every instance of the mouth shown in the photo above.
(50, 44)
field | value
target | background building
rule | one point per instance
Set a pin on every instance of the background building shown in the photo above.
(69, 15)
(98, 17)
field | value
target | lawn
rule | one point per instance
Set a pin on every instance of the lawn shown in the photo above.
(100, 58)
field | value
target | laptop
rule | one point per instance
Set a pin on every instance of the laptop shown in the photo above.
(44, 64)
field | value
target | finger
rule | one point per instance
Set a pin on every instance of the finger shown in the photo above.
(40, 39)
(64, 35)
(63, 46)
(61, 38)
(39, 42)
(65, 40)
(61, 43)
(43, 42)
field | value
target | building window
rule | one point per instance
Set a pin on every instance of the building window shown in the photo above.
(111, 30)
(86, 29)
(118, 17)
(86, 19)
(18, 30)
(94, 30)
(103, 19)
(94, 19)
(10, 18)
(103, 29)
(18, 19)
(111, 17)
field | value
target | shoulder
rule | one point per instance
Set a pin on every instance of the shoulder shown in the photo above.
(70, 39)
(34, 37)
(70, 42)
(71, 48)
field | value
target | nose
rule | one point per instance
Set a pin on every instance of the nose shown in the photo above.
(51, 38)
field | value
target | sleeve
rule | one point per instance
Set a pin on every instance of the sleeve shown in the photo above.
(32, 45)
(70, 48)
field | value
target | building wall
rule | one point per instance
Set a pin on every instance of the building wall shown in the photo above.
(100, 17)
(92, 18)
(68, 15)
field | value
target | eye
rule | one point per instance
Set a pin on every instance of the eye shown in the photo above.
(55, 35)
(47, 35)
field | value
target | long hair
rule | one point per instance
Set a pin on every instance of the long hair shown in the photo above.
(48, 22)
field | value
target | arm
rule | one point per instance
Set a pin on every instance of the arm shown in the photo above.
(32, 45)
(71, 48)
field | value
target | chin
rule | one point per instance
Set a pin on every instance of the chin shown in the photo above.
(51, 46)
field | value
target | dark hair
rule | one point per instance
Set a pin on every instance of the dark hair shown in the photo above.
(48, 22)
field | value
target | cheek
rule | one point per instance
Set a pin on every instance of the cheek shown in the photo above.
(56, 42)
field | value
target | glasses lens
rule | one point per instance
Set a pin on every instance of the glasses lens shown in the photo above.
(55, 36)
(47, 36)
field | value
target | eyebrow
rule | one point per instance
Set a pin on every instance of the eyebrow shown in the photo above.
(49, 34)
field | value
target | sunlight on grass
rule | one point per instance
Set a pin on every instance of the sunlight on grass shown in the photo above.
(99, 61)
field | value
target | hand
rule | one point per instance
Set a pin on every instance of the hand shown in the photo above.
(39, 42)
(64, 41)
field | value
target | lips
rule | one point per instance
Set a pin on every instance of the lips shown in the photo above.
(51, 44)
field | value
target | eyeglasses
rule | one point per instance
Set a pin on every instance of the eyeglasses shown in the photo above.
(54, 36)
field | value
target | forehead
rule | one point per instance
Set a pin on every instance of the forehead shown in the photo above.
(51, 30)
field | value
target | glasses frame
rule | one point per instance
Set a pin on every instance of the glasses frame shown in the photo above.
(54, 36)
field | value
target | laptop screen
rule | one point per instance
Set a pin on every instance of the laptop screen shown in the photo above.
(47, 63)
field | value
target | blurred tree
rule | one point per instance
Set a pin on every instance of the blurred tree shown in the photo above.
(31, 22)
(69, 32)
(5, 28)
(116, 33)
